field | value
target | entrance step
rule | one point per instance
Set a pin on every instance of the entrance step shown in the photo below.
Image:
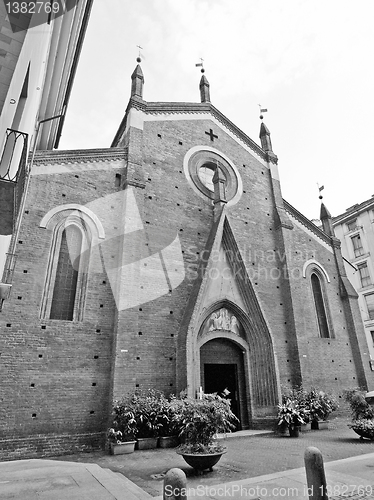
(118, 484)
(244, 433)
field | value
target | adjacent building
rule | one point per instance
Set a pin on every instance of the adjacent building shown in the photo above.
(355, 229)
(38, 58)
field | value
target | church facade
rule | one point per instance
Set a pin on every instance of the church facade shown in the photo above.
(170, 261)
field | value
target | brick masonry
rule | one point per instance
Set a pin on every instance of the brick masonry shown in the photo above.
(59, 377)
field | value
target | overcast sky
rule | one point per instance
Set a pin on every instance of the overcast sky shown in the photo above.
(309, 62)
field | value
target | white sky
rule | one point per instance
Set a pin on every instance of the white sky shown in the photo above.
(309, 62)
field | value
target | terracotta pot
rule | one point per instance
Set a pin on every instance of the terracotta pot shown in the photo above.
(200, 461)
(122, 448)
(146, 443)
(168, 441)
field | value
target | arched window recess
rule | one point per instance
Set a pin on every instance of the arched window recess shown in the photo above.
(67, 269)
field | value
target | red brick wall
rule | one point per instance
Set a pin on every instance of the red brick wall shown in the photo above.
(136, 348)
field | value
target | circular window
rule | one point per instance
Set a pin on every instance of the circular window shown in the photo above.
(200, 166)
(206, 173)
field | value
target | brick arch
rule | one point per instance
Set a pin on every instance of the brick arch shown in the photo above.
(75, 209)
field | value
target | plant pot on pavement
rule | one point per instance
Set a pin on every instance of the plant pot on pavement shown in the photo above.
(147, 443)
(122, 448)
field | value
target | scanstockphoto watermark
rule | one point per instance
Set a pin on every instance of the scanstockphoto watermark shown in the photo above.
(262, 491)
(27, 14)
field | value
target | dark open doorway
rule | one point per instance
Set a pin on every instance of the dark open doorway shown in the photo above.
(223, 379)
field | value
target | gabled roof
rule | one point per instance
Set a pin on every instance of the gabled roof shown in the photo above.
(306, 222)
(165, 108)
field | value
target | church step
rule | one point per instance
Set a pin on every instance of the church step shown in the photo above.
(120, 487)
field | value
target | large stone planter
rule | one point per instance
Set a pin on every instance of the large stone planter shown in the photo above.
(168, 441)
(201, 462)
(122, 448)
(146, 443)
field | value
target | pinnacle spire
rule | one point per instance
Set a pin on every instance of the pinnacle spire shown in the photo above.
(326, 220)
(265, 138)
(137, 81)
(204, 89)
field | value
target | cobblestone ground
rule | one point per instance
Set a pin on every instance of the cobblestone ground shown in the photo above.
(246, 457)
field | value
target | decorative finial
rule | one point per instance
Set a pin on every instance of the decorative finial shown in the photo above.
(201, 65)
(262, 110)
(139, 59)
(319, 190)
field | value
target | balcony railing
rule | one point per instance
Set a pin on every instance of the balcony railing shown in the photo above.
(14, 155)
(13, 165)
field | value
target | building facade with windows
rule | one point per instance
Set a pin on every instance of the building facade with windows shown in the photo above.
(169, 260)
(39, 54)
(355, 229)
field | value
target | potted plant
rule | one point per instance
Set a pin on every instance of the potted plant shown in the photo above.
(320, 405)
(300, 396)
(146, 406)
(169, 417)
(291, 415)
(200, 420)
(361, 412)
(122, 435)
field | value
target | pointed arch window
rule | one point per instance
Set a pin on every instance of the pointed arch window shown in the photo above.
(65, 286)
(320, 306)
(66, 280)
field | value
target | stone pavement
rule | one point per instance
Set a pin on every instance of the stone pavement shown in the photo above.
(56, 480)
(255, 466)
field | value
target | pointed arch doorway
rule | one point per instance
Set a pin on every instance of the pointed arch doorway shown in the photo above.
(224, 361)
(222, 371)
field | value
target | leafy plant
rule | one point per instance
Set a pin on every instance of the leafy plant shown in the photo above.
(124, 423)
(170, 415)
(360, 409)
(146, 406)
(201, 419)
(291, 413)
(320, 404)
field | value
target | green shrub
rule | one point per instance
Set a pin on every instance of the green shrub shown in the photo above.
(201, 419)
(360, 409)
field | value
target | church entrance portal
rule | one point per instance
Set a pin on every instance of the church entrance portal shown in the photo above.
(223, 380)
(222, 371)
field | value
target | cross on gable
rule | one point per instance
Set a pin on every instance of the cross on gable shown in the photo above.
(211, 135)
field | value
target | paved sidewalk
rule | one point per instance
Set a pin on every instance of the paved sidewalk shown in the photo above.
(56, 480)
(256, 466)
(350, 478)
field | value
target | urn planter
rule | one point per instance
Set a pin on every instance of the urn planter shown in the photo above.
(200, 461)
(122, 448)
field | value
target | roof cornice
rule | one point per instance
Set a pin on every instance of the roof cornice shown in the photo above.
(79, 155)
(355, 210)
(171, 108)
(307, 223)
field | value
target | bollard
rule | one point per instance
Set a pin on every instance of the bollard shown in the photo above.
(315, 474)
(175, 485)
